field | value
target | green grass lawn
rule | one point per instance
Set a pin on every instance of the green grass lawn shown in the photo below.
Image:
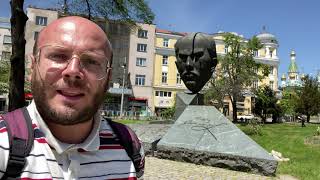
(289, 140)
(131, 121)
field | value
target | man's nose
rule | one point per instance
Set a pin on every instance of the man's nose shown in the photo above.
(189, 63)
(73, 69)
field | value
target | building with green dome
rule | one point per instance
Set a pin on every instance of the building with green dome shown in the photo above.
(293, 79)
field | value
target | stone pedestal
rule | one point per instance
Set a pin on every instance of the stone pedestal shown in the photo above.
(183, 100)
(203, 135)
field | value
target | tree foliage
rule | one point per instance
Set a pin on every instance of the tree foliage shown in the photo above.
(216, 94)
(236, 69)
(309, 98)
(4, 75)
(129, 11)
(288, 102)
(266, 104)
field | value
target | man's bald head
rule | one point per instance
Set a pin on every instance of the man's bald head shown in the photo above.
(71, 72)
(66, 31)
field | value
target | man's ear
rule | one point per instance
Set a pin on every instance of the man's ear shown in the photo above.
(108, 79)
(31, 65)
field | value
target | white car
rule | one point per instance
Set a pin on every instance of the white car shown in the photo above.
(245, 117)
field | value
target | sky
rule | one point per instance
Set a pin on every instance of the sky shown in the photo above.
(295, 23)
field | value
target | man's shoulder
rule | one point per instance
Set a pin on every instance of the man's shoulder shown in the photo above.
(115, 127)
(131, 143)
(4, 147)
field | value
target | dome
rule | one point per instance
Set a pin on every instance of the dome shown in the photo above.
(267, 38)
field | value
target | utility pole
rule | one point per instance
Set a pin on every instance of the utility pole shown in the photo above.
(123, 82)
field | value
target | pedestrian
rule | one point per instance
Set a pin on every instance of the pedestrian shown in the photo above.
(70, 72)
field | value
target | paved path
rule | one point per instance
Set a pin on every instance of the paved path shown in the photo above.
(173, 170)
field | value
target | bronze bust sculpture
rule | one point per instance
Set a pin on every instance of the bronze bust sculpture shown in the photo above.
(196, 60)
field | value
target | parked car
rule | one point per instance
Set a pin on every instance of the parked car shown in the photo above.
(245, 117)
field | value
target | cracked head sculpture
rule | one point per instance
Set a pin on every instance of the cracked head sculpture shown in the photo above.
(196, 60)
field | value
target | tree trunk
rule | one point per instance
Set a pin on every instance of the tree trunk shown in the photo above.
(302, 123)
(308, 118)
(234, 112)
(88, 8)
(16, 88)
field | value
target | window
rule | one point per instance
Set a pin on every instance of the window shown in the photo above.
(271, 70)
(255, 84)
(7, 39)
(178, 78)
(140, 80)
(5, 55)
(226, 49)
(40, 20)
(36, 34)
(255, 53)
(271, 84)
(165, 42)
(141, 62)
(164, 77)
(163, 93)
(142, 48)
(165, 60)
(270, 53)
(142, 33)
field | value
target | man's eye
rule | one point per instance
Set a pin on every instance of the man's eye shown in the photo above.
(58, 57)
(91, 63)
(183, 57)
(198, 55)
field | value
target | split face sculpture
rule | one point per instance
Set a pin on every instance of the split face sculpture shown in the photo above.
(196, 60)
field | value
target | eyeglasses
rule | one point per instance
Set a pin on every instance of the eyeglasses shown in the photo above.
(95, 65)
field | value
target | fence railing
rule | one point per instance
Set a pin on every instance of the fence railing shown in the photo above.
(127, 114)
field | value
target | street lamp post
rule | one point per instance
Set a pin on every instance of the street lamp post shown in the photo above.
(123, 82)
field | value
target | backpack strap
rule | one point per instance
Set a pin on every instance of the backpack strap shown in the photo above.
(20, 132)
(131, 143)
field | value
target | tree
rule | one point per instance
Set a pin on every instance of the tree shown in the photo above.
(266, 104)
(237, 69)
(215, 95)
(16, 87)
(128, 11)
(4, 75)
(309, 98)
(288, 102)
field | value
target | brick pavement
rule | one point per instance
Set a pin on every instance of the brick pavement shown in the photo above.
(172, 170)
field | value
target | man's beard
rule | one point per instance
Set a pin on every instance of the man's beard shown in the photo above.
(69, 116)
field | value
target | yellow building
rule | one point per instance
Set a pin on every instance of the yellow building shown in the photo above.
(266, 55)
(166, 81)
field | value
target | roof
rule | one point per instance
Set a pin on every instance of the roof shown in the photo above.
(49, 9)
(267, 37)
(293, 67)
(170, 32)
(5, 23)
